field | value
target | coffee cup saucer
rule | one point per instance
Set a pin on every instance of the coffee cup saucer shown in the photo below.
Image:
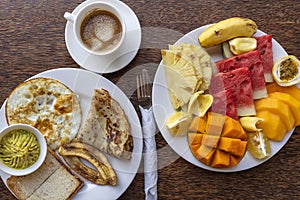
(116, 60)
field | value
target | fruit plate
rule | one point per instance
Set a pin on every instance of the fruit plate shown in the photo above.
(83, 83)
(163, 108)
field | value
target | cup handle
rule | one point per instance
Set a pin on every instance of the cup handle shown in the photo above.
(70, 17)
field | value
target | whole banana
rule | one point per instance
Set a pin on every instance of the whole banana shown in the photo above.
(227, 29)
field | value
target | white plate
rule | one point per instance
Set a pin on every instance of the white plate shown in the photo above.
(115, 61)
(163, 108)
(83, 82)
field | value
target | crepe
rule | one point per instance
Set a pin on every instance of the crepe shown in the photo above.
(106, 126)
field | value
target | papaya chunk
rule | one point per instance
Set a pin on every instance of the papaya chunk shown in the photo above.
(277, 107)
(221, 159)
(291, 101)
(205, 154)
(215, 123)
(198, 125)
(272, 126)
(210, 140)
(291, 90)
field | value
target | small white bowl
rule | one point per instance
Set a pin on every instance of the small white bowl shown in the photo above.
(43, 150)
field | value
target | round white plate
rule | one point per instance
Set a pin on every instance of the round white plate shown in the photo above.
(163, 108)
(115, 61)
(83, 83)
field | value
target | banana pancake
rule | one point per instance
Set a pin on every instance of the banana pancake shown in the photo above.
(107, 127)
(48, 105)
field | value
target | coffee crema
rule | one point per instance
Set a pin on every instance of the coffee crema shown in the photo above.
(101, 31)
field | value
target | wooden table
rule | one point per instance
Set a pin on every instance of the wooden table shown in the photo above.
(32, 41)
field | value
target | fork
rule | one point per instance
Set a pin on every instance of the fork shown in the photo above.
(143, 89)
(149, 130)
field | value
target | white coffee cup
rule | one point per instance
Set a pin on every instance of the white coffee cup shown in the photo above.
(89, 44)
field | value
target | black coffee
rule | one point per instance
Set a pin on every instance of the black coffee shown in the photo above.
(101, 31)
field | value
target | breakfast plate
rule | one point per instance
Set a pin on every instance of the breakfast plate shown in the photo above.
(163, 108)
(111, 62)
(83, 83)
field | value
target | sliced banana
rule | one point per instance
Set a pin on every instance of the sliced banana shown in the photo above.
(286, 71)
(249, 123)
(242, 45)
(199, 103)
(179, 122)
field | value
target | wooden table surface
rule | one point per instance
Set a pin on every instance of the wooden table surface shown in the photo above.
(32, 41)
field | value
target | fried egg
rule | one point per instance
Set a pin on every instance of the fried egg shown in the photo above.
(48, 105)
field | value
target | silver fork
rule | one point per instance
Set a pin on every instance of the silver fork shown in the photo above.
(149, 130)
(143, 89)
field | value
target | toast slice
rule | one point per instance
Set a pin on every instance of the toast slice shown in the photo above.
(53, 180)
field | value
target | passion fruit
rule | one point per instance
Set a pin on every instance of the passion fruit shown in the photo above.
(286, 71)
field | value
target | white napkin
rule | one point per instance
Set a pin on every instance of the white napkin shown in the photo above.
(150, 154)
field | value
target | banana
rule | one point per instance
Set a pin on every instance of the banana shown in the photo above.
(104, 174)
(227, 29)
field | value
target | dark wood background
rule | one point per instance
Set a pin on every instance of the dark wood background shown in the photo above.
(32, 41)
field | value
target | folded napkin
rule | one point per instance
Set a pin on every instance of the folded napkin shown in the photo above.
(150, 154)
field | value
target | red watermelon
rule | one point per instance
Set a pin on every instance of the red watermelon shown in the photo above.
(239, 82)
(264, 45)
(223, 104)
(251, 60)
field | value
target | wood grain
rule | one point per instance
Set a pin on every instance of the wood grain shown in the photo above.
(32, 41)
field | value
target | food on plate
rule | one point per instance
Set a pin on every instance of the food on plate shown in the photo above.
(217, 140)
(239, 82)
(106, 126)
(286, 71)
(47, 105)
(53, 180)
(104, 173)
(293, 103)
(19, 149)
(242, 45)
(277, 107)
(200, 60)
(264, 45)
(199, 103)
(271, 126)
(181, 78)
(226, 52)
(178, 123)
(227, 29)
(188, 69)
(249, 124)
(223, 104)
(258, 145)
(251, 60)
(292, 90)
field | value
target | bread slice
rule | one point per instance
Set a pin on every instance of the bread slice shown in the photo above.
(53, 180)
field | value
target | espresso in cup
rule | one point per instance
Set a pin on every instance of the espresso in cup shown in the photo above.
(101, 31)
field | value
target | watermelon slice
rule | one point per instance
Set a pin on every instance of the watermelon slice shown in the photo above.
(264, 45)
(223, 104)
(253, 61)
(239, 82)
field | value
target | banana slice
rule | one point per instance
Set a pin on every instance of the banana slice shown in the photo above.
(249, 123)
(179, 122)
(286, 71)
(199, 103)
